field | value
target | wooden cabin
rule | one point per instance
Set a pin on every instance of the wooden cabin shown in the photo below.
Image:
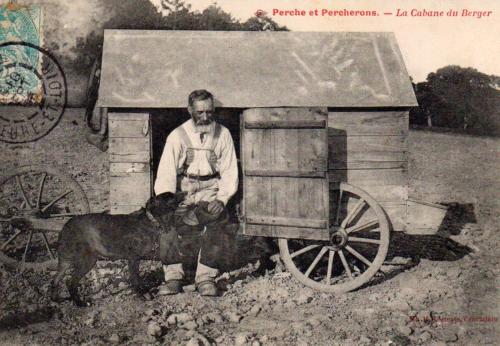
(346, 96)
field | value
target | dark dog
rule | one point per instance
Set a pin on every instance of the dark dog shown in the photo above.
(156, 232)
(134, 237)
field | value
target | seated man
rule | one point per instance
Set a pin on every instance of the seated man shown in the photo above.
(198, 158)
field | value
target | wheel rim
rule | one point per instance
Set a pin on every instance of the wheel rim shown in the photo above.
(35, 202)
(359, 240)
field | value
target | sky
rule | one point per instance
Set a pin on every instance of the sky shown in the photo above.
(426, 43)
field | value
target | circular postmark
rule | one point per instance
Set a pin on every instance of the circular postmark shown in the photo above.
(33, 93)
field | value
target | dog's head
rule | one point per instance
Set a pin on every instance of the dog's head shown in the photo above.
(164, 202)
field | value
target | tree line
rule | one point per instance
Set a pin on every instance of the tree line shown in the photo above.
(458, 98)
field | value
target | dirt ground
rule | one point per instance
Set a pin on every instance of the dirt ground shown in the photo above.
(437, 290)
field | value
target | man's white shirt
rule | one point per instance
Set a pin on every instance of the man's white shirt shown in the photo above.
(174, 156)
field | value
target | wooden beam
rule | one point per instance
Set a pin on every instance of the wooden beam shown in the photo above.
(285, 232)
(124, 116)
(393, 123)
(279, 173)
(128, 128)
(369, 176)
(286, 221)
(128, 167)
(366, 164)
(286, 124)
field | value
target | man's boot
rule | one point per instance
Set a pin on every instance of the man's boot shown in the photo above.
(174, 275)
(207, 288)
(170, 287)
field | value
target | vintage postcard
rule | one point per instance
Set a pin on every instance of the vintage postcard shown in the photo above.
(249, 172)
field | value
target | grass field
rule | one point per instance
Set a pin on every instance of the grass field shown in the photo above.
(434, 291)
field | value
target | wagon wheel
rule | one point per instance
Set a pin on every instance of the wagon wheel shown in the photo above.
(359, 240)
(35, 202)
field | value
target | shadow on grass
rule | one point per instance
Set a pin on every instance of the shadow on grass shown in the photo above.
(431, 247)
(24, 318)
(417, 247)
(436, 247)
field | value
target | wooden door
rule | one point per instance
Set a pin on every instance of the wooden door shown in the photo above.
(284, 154)
(129, 161)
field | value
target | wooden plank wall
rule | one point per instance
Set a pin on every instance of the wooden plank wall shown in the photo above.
(370, 150)
(129, 156)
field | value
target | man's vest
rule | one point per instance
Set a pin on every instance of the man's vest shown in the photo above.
(190, 149)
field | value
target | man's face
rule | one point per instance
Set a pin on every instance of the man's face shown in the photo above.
(202, 112)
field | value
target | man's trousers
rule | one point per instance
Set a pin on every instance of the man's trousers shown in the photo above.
(196, 243)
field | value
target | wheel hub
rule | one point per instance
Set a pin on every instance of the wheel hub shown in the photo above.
(338, 239)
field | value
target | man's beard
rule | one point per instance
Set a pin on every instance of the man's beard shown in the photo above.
(203, 126)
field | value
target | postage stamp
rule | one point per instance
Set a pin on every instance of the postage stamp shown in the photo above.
(33, 93)
(32, 84)
(20, 23)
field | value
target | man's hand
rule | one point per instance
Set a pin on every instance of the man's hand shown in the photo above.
(215, 207)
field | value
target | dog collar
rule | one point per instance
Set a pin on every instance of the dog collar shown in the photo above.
(159, 225)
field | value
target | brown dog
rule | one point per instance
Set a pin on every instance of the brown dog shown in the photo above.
(133, 237)
(156, 232)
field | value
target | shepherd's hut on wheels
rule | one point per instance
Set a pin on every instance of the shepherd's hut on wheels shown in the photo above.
(321, 123)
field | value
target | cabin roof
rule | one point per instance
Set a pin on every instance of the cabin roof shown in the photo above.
(158, 69)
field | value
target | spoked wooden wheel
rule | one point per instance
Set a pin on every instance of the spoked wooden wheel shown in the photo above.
(35, 203)
(359, 240)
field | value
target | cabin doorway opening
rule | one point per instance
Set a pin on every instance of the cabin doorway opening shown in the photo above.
(165, 120)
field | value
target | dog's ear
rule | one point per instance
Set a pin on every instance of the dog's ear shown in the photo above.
(180, 196)
(157, 201)
(164, 199)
